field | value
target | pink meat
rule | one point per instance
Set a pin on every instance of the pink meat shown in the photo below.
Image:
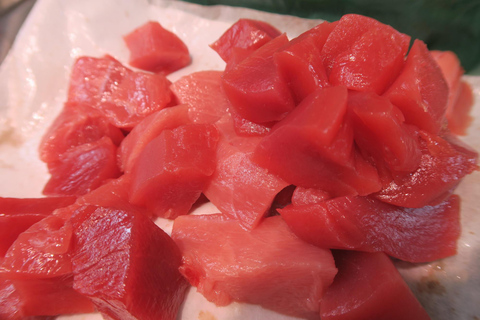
(76, 125)
(202, 91)
(156, 49)
(245, 34)
(83, 168)
(173, 169)
(360, 223)
(240, 188)
(125, 97)
(125, 264)
(148, 129)
(268, 265)
(368, 286)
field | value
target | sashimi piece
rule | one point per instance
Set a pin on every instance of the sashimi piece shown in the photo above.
(18, 214)
(268, 265)
(255, 88)
(443, 164)
(452, 71)
(320, 116)
(380, 131)
(77, 124)
(347, 31)
(45, 298)
(460, 97)
(125, 264)
(303, 196)
(313, 147)
(368, 286)
(42, 251)
(240, 188)
(372, 62)
(10, 301)
(246, 34)
(460, 119)
(203, 92)
(123, 96)
(300, 62)
(361, 223)
(420, 90)
(45, 206)
(13, 225)
(148, 129)
(156, 49)
(247, 128)
(37, 268)
(83, 168)
(113, 194)
(174, 168)
(281, 151)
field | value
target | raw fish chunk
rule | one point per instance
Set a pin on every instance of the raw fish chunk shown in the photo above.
(123, 96)
(156, 49)
(174, 168)
(126, 265)
(420, 90)
(365, 224)
(368, 286)
(268, 265)
(245, 34)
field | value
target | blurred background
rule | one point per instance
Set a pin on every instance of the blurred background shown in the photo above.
(442, 24)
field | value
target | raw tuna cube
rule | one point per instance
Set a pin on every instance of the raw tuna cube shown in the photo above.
(36, 274)
(123, 96)
(268, 265)
(113, 194)
(372, 62)
(300, 63)
(246, 34)
(313, 147)
(365, 224)
(174, 168)
(420, 90)
(45, 206)
(247, 128)
(460, 98)
(346, 32)
(76, 125)
(36, 299)
(240, 188)
(17, 215)
(303, 196)
(320, 116)
(156, 49)
(459, 120)
(452, 72)
(255, 88)
(148, 129)
(373, 116)
(42, 251)
(202, 91)
(368, 286)
(443, 164)
(83, 168)
(126, 265)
